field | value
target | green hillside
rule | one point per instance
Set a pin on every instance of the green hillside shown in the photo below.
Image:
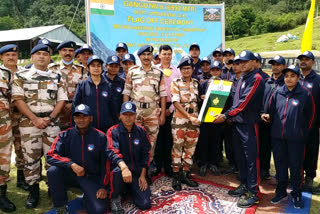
(268, 41)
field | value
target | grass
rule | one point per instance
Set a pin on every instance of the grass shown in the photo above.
(268, 41)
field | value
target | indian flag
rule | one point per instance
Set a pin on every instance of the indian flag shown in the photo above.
(102, 7)
(215, 99)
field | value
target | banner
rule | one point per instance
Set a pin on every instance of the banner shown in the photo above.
(137, 23)
(306, 44)
(215, 99)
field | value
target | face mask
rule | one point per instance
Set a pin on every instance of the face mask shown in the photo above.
(67, 63)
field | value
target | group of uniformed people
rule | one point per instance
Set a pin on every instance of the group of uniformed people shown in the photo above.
(107, 127)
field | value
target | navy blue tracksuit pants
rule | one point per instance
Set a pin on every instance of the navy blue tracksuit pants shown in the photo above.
(312, 149)
(246, 148)
(60, 178)
(288, 154)
(140, 198)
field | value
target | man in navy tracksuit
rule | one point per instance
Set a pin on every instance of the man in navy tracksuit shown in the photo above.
(311, 81)
(95, 92)
(245, 114)
(276, 80)
(227, 71)
(78, 158)
(128, 150)
(291, 113)
(116, 85)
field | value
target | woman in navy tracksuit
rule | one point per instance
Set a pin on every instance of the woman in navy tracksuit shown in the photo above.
(95, 92)
(291, 113)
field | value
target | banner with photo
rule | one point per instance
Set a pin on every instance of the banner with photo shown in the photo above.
(147, 22)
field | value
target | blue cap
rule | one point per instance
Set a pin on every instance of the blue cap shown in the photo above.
(66, 44)
(205, 59)
(292, 68)
(82, 109)
(229, 50)
(194, 45)
(185, 61)
(258, 57)
(246, 56)
(216, 64)
(128, 107)
(122, 45)
(155, 55)
(40, 47)
(129, 57)
(278, 59)
(306, 54)
(113, 60)
(217, 50)
(8, 48)
(45, 41)
(76, 53)
(235, 60)
(145, 48)
(94, 58)
(86, 47)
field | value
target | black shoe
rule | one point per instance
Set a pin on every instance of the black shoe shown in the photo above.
(307, 185)
(116, 207)
(5, 204)
(203, 171)
(176, 183)
(239, 191)
(230, 170)
(154, 171)
(297, 202)
(248, 200)
(316, 190)
(21, 183)
(186, 179)
(265, 175)
(278, 199)
(33, 197)
(62, 210)
(168, 171)
(214, 169)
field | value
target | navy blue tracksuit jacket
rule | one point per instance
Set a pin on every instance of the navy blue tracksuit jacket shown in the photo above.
(263, 74)
(227, 74)
(98, 98)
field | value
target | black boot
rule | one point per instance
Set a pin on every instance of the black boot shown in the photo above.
(5, 204)
(176, 183)
(33, 197)
(21, 183)
(186, 179)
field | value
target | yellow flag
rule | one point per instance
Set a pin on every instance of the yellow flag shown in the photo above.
(306, 43)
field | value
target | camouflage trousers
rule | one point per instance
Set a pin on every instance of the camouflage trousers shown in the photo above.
(149, 119)
(35, 143)
(15, 117)
(6, 140)
(185, 138)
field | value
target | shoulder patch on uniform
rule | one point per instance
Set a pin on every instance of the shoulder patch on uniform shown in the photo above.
(133, 67)
(52, 64)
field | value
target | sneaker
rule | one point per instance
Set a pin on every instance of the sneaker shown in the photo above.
(249, 200)
(265, 175)
(230, 170)
(278, 198)
(116, 207)
(307, 185)
(297, 202)
(203, 171)
(239, 191)
(62, 210)
(214, 169)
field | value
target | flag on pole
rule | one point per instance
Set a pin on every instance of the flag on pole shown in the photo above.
(306, 44)
(102, 7)
(215, 99)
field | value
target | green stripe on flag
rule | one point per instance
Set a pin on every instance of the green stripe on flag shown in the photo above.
(102, 12)
(223, 93)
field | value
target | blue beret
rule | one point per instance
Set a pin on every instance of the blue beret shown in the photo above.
(8, 48)
(128, 107)
(86, 47)
(229, 50)
(145, 48)
(94, 58)
(40, 47)
(258, 57)
(129, 57)
(216, 64)
(217, 50)
(205, 59)
(82, 109)
(76, 53)
(45, 41)
(185, 61)
(194, 45)
(113, 60)
(292, 68)
(306, 54)
(278, 59)
(246, 56)
(66, 44)
(122, 45)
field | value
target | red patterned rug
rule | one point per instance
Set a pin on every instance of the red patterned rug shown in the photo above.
(207, 198)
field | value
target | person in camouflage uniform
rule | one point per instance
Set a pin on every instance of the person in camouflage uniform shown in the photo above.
(40, 95)
(72, 75)
(6, 140)
(185, 124)
(145, 86)
(9, 57)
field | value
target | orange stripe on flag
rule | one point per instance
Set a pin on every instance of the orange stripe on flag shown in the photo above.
(102, 1)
